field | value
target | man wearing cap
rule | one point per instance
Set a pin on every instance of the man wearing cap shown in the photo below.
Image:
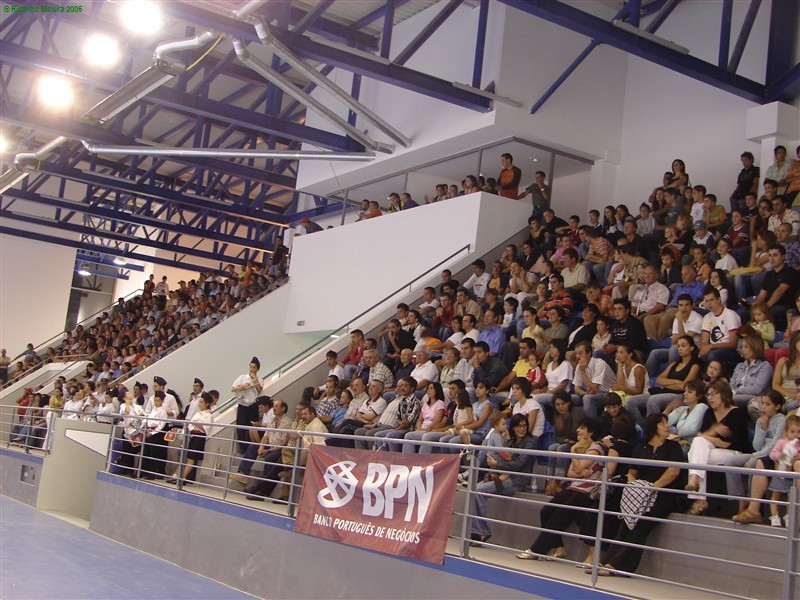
(247, 387)
(309, 225)
(194, 399)
(170, 404)
(702, 236)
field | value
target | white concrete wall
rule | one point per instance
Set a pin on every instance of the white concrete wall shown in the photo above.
(35, 281)
(223, 353)
(428, 122)
(338, 273)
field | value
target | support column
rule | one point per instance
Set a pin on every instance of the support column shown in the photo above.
(770, 125)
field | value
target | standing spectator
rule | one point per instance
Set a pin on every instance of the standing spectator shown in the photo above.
(540, 193)
(247, 387)
(509, 178)
(161, 291)
(747, 182)
(5, 361)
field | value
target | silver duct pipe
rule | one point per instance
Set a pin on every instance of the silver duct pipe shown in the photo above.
(170, 47)
(291, 90)
(225, 153)
(297, 63)
(139, 86)
(247, 8)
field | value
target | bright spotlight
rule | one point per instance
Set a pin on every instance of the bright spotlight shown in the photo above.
(55, 92)
(143, 17)
(120, 262)
(83, 272)
(3, 145)
(101, 51)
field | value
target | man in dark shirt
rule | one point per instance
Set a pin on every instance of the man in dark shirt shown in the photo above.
(489, 368)
(553, 226)
(746, 182)
(634, 239)
(625, 328)
(780, 285)
(397, 339)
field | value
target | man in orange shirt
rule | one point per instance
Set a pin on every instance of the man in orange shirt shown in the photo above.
(509, 178)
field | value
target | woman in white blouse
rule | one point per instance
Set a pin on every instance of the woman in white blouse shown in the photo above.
(198, 431)
(131, 428)
(558, 374)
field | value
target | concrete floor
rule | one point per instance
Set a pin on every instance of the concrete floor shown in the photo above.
(45, 557)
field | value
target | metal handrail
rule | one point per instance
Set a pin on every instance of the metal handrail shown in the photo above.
(223, 406)
(791, 577)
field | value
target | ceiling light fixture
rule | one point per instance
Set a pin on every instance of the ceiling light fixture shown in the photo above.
(101, 51)
(143, 17)
(120, 262)
(55, 91)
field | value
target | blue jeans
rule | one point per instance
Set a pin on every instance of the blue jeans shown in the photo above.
(594, 404)
(658, 402)
(480, 503)
(659, 358)
(389, 434)
(425, 436)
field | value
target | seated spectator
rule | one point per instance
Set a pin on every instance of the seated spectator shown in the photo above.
(720, 330)
(645, 222)
(558, 374)
(397, 340)
(558, 330)
(631, 374)
(599, 254)
(651, 298)
(787, 370)
(726, 262)
(593, 380)
(429, 304)
(738, 238)
(671, 382)
(723, 438)
(407, 410)
(669, 272)
(685, 413)
(521, 284)
(465, 305)
(656, 446)
(753, 376)
(625, 328)
(520, 467)
(479, 426)
(787, 434)
(558, 514)
(431, 421)
(594, 295)
(558, 297)
(355, 352)
(584, 331)
(780, 285)
(525, 404)
(685, 321)
(786, 238)
(478, 281)
(566, 419)
(751, 277)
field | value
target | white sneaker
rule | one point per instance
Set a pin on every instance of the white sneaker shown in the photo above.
(786, 520)
(775, 521)
(527, 555)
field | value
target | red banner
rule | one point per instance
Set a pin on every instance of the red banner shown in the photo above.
(395, 503)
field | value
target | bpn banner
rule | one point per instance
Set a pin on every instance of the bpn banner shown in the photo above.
(395, 503)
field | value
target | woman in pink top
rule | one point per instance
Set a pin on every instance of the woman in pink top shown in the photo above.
(431, 420)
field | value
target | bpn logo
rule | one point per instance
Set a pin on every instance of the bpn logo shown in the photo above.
(341, 484)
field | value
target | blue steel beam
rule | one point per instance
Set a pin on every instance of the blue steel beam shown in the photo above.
(605, 33)
(113, 235)
(375, 15)
(78, 245)
(786, 88)
(142, 190)
(744, 35)
(572, 67)
(186, 104)
(387, 73)
(311, 17)
(725, 33)
(784, 25)
(480, 44)
(428, 31)
(210, 20)
(76, 130)
(127, 216)
(388, 26)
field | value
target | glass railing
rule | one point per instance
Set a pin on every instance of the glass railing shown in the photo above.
(323, 341)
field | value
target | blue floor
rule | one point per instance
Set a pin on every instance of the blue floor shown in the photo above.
(44, 557)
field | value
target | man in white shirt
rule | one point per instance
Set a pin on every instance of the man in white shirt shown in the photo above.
(468, 323)
(479, 280)
(425, 372)
(686, 321)
(334, 368)
(429, 305)
(651, 298)
(170, 404)
(464, 369)
(387, 420)
(194, 398)
(593, 379)
(576, 276)
(719, 337)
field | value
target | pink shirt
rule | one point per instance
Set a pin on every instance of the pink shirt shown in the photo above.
(429, 412)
